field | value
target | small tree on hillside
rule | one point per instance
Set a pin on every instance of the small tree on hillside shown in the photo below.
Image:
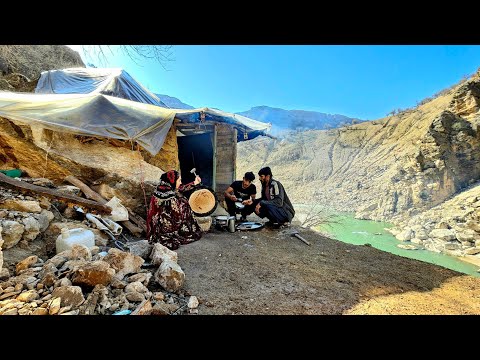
(315, 217)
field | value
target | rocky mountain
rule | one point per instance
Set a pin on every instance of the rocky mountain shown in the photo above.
(284, 120)
(21, 65)
(390, 169)
(173, 102)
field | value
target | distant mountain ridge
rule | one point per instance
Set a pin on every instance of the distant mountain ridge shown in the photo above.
(418, 169)
(297, 119)
(281, 119)
(173, 102)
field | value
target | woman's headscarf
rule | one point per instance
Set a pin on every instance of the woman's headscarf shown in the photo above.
(166, 189)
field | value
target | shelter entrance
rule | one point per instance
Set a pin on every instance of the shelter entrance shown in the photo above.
(196, 150)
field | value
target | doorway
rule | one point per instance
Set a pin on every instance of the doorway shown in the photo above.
(196, 151)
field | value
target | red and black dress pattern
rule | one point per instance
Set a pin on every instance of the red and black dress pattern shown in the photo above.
(170, 220)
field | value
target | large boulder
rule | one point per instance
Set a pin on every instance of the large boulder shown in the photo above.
(123, 262)
(11, 233)
(170, 275)
(69, 295)
(21, 205)
(443, 234)
(32, 228)
(93, 273)
(161, 253)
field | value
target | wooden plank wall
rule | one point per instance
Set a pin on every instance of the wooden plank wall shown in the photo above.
(226, 152)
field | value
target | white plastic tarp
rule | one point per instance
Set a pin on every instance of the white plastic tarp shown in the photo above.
(108, 81)
(113, 117)
(117, 82)
(91, 114)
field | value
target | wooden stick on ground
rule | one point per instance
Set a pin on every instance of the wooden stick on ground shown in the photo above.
(55, 194)
(89, 193)
(142, 224)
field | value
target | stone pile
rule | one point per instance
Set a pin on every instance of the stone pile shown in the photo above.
(83, 281)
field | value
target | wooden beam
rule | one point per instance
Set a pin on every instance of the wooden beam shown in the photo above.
(55, 194)
(89, 193)
(208, 124)
(142, 224)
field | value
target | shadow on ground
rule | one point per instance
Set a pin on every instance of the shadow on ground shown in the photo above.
(271, 272)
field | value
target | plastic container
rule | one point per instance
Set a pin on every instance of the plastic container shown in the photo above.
(68, 238)
(12, 173)
(122, 312)
(205, 222)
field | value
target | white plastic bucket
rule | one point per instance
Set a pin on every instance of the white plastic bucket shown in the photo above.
(68, 238)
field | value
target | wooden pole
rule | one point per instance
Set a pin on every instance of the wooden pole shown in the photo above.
(89, 193)
(51, 193)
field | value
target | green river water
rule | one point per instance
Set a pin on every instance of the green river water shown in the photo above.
(359, 232)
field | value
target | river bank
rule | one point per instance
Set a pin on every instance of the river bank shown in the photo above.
(343, 226)
(269, 272)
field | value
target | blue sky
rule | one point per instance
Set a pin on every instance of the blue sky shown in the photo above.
(361, 81)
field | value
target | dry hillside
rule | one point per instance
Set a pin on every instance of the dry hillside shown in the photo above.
(388, 169)
(389, 165)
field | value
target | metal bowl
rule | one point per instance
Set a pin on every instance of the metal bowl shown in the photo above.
(249, 226)
(239, 205)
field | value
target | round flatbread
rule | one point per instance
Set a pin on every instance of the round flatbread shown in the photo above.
(203, 202)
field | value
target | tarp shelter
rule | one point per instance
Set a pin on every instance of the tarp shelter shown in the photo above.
(115, 82)
(118, 83)
(112, 116)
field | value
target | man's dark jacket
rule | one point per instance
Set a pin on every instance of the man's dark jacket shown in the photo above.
(278, 197)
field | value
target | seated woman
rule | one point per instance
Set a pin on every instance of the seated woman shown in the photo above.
(170, 219)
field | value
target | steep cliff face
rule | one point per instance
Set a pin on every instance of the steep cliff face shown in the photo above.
(383, 169)
(402, 169)
(466, 101)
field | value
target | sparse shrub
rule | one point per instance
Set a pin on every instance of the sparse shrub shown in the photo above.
(316, 217)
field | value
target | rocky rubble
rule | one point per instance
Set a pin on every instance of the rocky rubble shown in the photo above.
(451, 227)
(83, 281)
(22, 218)
(40, 152)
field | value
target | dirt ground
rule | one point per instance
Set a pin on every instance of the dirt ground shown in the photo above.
(269, 272)
(272, 273)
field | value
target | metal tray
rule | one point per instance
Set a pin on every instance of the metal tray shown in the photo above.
(249, 225)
